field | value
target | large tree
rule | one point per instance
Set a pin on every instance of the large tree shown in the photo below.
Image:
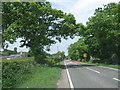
(103, 33)
(37, 23)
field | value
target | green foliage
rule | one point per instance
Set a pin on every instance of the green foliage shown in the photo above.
(102, 34)
(26, 73)
(106, 65)
(79, 60)
(77, 49)
(60, 55)
(114, 58)
(15, 49)
(57, 57)
(83, 60)
(13, 71)
(37, 23)
(42, 77)
(91, 60)
(8, 52)
(104, 28)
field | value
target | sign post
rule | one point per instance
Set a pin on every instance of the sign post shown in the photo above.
(59, 58)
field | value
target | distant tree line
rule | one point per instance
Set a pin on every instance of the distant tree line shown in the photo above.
(100, 37)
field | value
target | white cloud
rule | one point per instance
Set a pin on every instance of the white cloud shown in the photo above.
(63, 45)
(83, 9)
(64, 4)
(58, 1)
(17, 44)
(85, 4)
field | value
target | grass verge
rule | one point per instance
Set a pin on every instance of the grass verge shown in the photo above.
(25, 73)
(106, 65)
(101, 64)
(42, 77)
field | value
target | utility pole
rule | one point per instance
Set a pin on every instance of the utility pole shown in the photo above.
(21, 52)
(58, 54)
(57, 49)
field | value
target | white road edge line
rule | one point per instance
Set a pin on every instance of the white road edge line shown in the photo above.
(69, 78)
(116, 79)
(92, 70)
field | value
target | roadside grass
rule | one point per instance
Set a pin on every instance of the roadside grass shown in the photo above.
(60, 63)
(37, 75)
(105, 65)
(14, 71)
(42, 77)
(101, 64)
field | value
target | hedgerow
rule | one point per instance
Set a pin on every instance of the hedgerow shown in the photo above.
(14, 72)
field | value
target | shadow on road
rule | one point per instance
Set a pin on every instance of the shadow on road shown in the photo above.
(59, 66)
(80, 66)
(73, 66)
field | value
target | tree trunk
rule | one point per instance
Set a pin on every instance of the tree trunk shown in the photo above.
(38, 59)
(39, 54)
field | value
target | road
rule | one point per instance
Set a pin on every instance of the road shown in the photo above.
(83, 75)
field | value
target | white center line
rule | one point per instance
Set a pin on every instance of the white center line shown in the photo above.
(92, 70)
(116, 79)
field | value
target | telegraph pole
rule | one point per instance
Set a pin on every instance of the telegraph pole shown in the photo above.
(58, 54)
(57, 49)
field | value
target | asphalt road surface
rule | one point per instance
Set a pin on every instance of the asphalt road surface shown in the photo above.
(91, 76)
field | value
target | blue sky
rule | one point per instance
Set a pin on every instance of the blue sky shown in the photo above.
(81, 9)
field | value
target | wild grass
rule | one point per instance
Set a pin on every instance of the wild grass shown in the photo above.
(42, 77)
(25, 73)
(106, 65)
(101, 64)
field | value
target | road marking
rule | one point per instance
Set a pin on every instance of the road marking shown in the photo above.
(69, 78)
(116, 79)
(92, 70)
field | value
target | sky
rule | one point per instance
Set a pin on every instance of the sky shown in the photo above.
(81, 9)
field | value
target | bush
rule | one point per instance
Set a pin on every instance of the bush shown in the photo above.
(91, 60)
(114, 59)
(14, 72)
(79, 60)
(83, 60)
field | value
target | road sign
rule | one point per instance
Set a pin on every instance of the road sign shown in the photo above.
(85, 55)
